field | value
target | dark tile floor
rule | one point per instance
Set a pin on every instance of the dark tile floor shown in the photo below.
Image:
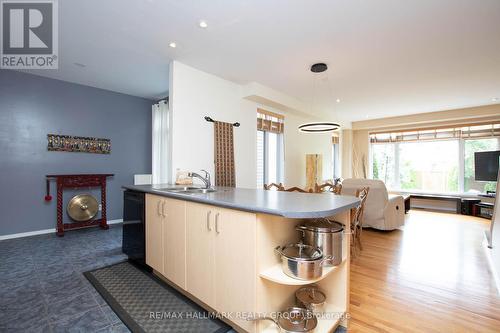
(42, 288)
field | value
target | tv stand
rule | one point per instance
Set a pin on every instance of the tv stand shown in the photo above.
(484, 209)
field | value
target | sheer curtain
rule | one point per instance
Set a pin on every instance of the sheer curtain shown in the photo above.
(161, 134)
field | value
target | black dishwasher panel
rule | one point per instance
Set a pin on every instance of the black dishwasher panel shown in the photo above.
(134, 236)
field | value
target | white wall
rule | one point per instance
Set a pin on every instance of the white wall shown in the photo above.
(297, 145)
(494, 252)
(195, 94)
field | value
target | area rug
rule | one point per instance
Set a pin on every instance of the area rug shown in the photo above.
(147, 305)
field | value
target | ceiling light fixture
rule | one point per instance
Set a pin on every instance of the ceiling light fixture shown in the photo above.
(203, 24)
(325, 126)
(172, 45)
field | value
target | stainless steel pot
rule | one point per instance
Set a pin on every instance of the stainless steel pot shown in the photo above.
(294, 320)
(326, 235)
(301, 261)
(311, 298)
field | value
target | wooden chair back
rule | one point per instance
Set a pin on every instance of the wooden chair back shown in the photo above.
(328, 187)
(357, 216)
(298, 189)
(278, 187)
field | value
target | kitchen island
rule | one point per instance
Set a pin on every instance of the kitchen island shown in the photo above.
(218, 249)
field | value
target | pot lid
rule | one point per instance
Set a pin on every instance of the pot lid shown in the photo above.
(296, 319)
(301, 251)
(323, 225)
(310, 295)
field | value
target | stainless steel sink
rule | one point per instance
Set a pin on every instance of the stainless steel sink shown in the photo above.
(202, 190)
(178, 189)
(187, 189)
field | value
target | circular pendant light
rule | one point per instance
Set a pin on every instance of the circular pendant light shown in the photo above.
(320, 127)
(324, 126)
(319, 67)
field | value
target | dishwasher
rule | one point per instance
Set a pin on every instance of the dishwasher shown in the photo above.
(134, 227)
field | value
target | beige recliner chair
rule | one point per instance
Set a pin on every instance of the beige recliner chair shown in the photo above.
(382, 211)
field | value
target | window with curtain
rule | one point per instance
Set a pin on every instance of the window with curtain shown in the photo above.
(160, 142)
(270, 148)
(437, 160)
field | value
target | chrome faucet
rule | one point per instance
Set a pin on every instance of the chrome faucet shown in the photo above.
(205, 180)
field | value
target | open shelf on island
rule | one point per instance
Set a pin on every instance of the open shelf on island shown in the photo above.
(275, 274)
(326, 324)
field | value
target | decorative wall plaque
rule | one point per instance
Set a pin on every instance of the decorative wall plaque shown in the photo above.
(80, 144)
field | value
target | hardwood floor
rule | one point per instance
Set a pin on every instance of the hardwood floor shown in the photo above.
(430, 277)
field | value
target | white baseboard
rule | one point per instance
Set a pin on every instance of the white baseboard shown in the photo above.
(494, 272)
(44, 231)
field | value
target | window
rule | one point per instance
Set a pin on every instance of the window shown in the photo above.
(335, 157)
(270, 148)
(383, 164)
(433, 160)
(471, 147)
(429, 166)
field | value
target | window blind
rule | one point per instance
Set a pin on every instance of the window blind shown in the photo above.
(270, 121)
(476, 131)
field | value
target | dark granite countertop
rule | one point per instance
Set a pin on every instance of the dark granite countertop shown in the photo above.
(286, 204)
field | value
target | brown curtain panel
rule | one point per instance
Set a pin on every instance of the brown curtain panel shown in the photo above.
(224, 154)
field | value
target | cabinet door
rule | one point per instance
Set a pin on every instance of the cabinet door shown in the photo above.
(174, 240)
(235, 263)
(200, 252)
(154, 232)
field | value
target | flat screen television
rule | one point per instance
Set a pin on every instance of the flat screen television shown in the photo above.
(486, 165)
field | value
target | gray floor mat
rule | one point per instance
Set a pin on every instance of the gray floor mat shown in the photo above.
(146, 304)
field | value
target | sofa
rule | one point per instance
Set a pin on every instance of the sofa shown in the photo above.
(382, 211)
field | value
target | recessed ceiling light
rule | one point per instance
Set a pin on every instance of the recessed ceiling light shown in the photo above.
(338, 100)
(172, 45)
(203, 24)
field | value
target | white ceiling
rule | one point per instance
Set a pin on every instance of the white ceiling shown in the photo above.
(386, 57)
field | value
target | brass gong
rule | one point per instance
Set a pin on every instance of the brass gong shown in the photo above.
(82, 207)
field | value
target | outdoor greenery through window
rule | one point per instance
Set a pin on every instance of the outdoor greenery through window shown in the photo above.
(434, 161)
(472, 146)
(429, 166)
(384, 163)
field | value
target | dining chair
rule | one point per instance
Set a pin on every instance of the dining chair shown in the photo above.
(298, 189)
(328, 187)
(357, 220)
(278, 187)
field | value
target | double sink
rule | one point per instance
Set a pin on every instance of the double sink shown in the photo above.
(187, 190)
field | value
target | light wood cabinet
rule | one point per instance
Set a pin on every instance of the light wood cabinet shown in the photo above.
(174, 241)
(235, 264)
(166, 237)
(200, 260)
(221, 266)
(154, 232)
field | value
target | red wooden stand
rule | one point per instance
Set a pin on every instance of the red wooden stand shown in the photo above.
(79, 181)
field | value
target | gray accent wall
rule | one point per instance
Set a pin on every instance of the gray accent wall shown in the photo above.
(33, 106)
